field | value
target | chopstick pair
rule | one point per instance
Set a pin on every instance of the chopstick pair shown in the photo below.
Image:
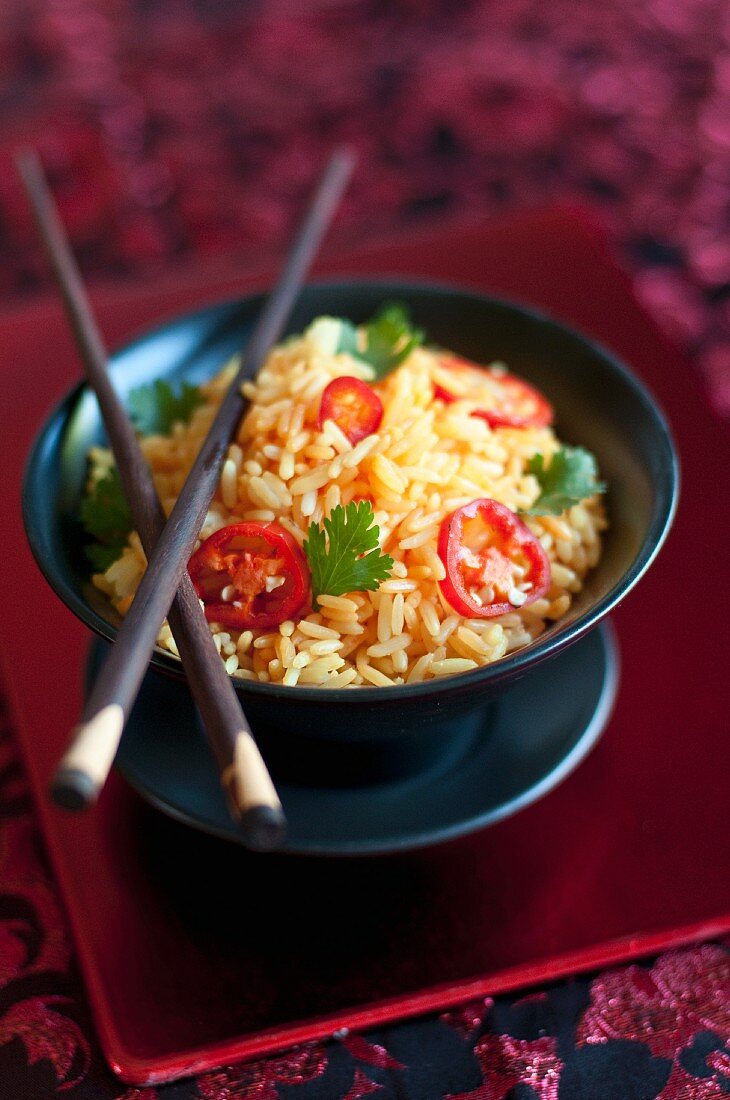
(165, 586)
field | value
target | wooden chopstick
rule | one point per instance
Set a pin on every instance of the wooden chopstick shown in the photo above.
(245, 779)
(87, 761)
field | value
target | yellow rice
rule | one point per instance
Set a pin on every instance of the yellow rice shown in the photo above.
(426, 459)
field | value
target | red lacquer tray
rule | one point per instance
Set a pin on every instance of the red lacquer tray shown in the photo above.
(196, 953)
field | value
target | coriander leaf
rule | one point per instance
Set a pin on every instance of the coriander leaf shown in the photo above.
(348, 341)
(389, 339)
(104, 512)
(154, 409)
(106, 516)
(348, 557)
(570, 478)
(101, 557)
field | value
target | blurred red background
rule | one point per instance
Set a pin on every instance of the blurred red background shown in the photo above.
(176, 128)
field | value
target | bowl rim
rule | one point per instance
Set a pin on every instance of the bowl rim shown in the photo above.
(553, 641)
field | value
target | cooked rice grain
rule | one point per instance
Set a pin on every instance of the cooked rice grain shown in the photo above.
(426, 460)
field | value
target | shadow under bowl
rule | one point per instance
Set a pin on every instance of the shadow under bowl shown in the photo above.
(599, 404)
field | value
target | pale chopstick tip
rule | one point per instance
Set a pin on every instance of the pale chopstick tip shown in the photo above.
(73, 790)
(86, 764)
(252, 796)
(263, 828)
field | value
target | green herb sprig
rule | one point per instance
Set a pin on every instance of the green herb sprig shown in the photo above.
(155, 409)
(105, 514)
(346, 555)
(106, 517)
(389, 338)
(571, 476)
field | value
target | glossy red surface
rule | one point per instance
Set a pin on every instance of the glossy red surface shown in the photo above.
(196, 953)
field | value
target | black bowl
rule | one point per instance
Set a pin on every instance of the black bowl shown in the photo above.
(599, 404)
